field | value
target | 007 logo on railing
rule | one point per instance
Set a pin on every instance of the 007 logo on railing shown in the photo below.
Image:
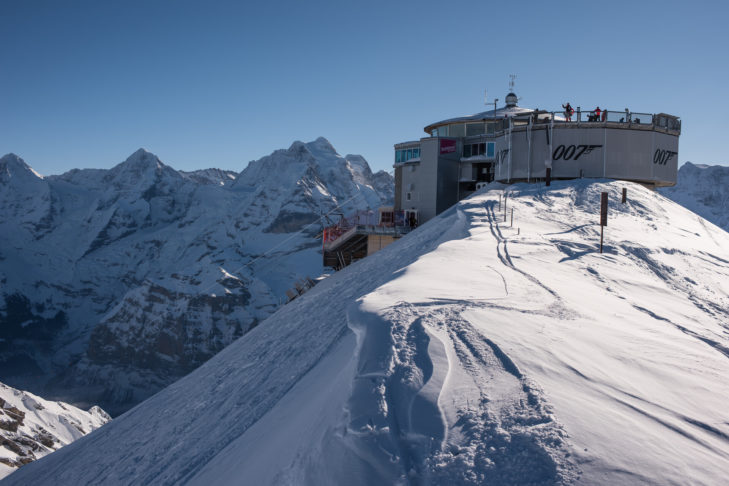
(570, 151)
(661, 157)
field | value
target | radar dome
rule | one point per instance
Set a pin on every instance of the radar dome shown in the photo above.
(511, 100)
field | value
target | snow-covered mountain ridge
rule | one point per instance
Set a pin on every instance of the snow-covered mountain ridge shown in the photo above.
(31, 427)
(704, 189)
(468, 352)
(117, 282)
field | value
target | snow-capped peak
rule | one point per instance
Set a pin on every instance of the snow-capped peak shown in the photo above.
(141, 169)
(12, 166)
(704, 189)
(31, 427)
(143, 158)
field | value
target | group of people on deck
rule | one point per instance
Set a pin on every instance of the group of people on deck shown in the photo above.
(596, 115)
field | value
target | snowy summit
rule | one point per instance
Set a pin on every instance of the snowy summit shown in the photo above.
(31, 427)
(468, 352)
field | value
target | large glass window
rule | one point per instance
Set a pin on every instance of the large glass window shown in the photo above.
(457, 130)
(474, 149)
(475, 129)
(406, 154)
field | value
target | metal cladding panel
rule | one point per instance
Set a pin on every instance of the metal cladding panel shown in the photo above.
(519, 152)
(665, 157)
(629, 154)
(501, 158)
(641, 155)
(578, 152)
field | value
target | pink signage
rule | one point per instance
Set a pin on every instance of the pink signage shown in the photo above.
(447, 146)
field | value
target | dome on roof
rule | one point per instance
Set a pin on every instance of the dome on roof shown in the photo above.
(511, 100)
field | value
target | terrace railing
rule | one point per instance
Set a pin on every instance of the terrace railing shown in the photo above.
(368, 220)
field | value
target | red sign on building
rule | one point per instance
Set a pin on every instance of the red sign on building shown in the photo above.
(447, 146)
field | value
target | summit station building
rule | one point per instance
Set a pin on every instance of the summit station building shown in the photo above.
(514, 144)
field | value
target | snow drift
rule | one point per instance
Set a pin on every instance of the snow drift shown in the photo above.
(468, 352)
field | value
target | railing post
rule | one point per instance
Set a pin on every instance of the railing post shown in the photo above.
(579, 114)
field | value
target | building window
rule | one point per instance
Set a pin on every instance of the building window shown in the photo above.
(457, 130)
(475, 129)
(474, 149)
(407, 196)
(406, 155)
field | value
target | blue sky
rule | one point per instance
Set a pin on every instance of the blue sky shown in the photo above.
(217, 84)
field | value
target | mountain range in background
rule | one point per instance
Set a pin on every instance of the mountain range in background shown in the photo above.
(704, 189)
(31, 427)
(117, 282)
(469, 351)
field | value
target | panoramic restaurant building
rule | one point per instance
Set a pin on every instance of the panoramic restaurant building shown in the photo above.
(509, 144)
(514, 144)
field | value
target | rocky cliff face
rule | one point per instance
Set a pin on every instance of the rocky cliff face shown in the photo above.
(31, 427)
(117, 282)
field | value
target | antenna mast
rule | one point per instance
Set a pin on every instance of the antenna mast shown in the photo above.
(487, 102)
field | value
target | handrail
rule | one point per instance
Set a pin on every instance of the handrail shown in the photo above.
(367, 218)
(580, 116)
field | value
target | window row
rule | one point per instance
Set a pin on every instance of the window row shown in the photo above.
(470, 129)
(406, 154)
(472, 149)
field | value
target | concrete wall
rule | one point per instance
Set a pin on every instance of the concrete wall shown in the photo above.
(420, 179)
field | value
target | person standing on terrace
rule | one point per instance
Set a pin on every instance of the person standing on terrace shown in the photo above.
(568, 111)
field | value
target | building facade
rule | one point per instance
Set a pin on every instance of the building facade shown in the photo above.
(514, 144)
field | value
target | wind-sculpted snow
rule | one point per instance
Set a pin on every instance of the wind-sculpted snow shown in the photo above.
(117, 282)
(468, 352)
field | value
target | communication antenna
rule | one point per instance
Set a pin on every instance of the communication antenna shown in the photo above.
(487, 102)
(512, 99)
